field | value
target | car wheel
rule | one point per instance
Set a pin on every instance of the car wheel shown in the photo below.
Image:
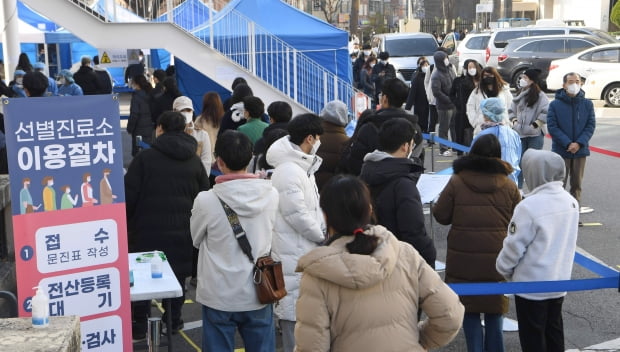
(612, 95)
(516, 77)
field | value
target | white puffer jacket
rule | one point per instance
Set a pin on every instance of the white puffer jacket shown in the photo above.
(299, 222)
(474, 114)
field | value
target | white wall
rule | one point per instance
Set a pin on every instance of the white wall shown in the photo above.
(595, 13)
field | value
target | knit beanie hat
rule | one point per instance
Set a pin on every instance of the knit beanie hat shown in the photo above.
(335, 112)
(493, 109)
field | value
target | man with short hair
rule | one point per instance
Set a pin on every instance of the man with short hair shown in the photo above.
(391, 177)
(571, 124)
(86, 78)
(280, 113)
(253, 113)
(392, 97)
(299, 222)
(35, 84)
(225, 281)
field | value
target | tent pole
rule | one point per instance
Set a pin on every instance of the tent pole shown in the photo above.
(10, 36)
(295, 74)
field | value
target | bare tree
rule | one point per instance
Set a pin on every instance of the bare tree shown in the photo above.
(330, 9)
(354, 17)
(447, 7)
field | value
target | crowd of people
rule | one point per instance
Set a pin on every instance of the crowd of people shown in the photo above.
(342, 213)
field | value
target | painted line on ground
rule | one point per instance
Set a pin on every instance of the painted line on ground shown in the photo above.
(183, 335)
(599, 150)
(592, 224)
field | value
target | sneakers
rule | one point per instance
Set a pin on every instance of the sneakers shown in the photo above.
(175, 328)
(585, 210)
(446, 153)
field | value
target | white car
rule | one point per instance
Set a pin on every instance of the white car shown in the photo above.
(472, 47)
(604, 84)
(599, 58)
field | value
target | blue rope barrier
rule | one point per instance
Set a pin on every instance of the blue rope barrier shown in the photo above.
(445, 142)
(595, 267)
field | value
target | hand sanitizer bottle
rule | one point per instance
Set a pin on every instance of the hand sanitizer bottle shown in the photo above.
(40, 309)
(156, 264)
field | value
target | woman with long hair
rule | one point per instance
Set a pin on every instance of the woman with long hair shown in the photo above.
(362, 291)
(365, 78)
(528, 113)
(478, 202)
(163, 102)
(417, 96)
(462, 87)
(210, 117)
(23, 63)
(491, 86)
(140, 122)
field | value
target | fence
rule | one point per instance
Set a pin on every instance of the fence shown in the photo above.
(439, 25)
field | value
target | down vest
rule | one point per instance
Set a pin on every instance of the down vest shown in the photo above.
(478, 202)
(299, 223)
(352, 302)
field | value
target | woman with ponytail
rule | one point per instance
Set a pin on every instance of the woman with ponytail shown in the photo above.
(362, 291)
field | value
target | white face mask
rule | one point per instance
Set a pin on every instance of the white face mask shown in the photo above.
(19, 80)
(523, 83)
(188, 116)
(315, 147)
(425, 69)
(366, 52)
(61, 81)
(472, 71)
(573, 89)
(446, 62)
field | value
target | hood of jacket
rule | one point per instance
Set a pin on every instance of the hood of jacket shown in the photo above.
(176, 145)
(542, 166)
(247, 197)
(563, 96)
(335, 264)
(439, 56)
(380, 167)
(494, 167)
(283, 151)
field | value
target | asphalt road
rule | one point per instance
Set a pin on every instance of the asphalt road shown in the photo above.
(590, 317)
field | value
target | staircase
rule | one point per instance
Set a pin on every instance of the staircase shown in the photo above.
(273, 73)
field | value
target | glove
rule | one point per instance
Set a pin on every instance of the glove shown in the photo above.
(534, 124)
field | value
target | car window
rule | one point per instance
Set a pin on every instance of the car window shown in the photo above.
(534, 32)
(551, 46)
(448, 42)
(411, 47)
(596, 32)
(609, 55)
(502, 38)
(577, 45)
(530, 47)
(477, 43)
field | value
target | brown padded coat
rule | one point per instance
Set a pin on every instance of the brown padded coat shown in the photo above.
(353, 302)
(333, 141)
(478, 202)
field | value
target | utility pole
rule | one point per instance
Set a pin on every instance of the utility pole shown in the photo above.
(354, 17)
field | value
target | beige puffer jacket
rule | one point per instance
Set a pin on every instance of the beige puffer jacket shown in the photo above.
(352, 302)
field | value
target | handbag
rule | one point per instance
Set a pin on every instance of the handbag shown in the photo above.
(267, 274)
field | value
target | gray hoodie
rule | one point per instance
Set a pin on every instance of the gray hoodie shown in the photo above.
(441, 82)
(542, 166)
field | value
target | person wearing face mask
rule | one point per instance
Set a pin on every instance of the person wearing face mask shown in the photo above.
(365, 78)
(571, 125)
(359, 64)
(66, 84)
(460, 92)
(184, 105)
(381, 72)
(528, 113)
(391, 177)
(417, 97)
(491, 86)
(299, 225)
(17, 85)
(441, 84)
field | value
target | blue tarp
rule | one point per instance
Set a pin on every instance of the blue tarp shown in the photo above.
(34, 19)
(194, 84)
(189, 15)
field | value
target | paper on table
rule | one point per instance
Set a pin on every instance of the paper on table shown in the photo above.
(430, 185)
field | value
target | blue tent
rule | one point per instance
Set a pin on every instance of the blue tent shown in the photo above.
(190, 14)
(34, 19)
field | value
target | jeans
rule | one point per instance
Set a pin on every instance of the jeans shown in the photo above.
(540, 324)
(491, 340)
(446, 124)
(527, 143)
(255, 327)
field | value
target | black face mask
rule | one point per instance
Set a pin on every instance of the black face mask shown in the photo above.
(488, 80)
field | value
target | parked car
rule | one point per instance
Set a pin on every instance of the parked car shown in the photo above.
(525, 53)
(472, 47)
(604, 84)
(405, 49)
(601, 58)
(500, 37)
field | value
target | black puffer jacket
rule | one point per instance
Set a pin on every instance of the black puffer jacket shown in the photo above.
(160, 186)
(397, 204)
(86, 78)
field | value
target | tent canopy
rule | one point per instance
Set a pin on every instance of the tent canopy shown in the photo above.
(189, 14)
(34, 19)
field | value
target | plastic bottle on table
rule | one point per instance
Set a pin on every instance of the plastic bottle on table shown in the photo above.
(156, 266)
(40, 309)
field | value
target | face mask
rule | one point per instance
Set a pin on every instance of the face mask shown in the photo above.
(446, 62)
(315, 147)
(425, 69)
(472, 71)
(573, 89)
(372, 65)
(61, 81)
(523, 83)
(366, 52)
(19, 80)
(188, 116)
(488, 80)
(355, 51)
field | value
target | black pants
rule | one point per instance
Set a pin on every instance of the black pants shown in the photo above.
(432, 118)
(540, 324)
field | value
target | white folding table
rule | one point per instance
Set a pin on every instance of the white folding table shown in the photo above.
(146, 288)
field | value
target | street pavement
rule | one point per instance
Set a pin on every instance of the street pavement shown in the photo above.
(591, 318)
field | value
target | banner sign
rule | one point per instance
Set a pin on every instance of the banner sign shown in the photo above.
(68, 205)
(113, 57)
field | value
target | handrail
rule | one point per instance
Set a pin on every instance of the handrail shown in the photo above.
(264, 55)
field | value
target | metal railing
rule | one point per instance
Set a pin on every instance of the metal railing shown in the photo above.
(243, 41)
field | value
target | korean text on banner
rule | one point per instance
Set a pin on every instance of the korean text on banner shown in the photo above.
(68, 205)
